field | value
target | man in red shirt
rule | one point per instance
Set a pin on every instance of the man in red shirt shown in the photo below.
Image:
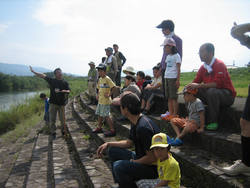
(215, 88)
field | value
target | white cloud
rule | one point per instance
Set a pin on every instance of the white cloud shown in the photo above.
(3, 28)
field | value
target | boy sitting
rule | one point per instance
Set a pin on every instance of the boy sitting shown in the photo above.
(168, 168)
(195, 121)
(152, 90)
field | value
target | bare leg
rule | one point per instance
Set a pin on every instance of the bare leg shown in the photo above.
(245, 127)
(110, 121)
(184, 132)
(170, 106)
(148, 106)
(176, 128)
(143, 103)
(99, 122)
(175, 105)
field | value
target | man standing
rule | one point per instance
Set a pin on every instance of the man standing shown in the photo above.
(58, 88)
(217, 89)
(120, 62)
(167, 27)
(92, 81)
(111, 63)
(128, 166)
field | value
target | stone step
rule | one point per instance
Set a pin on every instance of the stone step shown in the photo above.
(96, 171)
(41, 170)
(15, 159)
(206, 165)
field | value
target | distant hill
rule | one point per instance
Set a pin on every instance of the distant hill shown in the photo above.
(22, 70)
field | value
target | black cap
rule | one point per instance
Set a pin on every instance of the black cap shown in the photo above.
(131, 101)
(166, 24)
(102, 66)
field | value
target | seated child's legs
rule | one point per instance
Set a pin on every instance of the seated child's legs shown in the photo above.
(177, 123)
(192, 125)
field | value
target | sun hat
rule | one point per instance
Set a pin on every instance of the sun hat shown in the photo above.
(102, 66)
(91, 63)
(109, 49)
(129, 69)
(169, 41)
(160, 140)
(185, 90)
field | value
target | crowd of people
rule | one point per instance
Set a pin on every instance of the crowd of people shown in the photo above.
(151, 164)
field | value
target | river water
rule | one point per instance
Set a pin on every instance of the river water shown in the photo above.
(11, 98)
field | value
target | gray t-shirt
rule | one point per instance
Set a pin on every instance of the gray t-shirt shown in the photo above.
(193, 110)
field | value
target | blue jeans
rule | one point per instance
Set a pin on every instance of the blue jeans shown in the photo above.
(126, 172)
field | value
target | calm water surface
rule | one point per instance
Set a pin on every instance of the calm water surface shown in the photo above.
(11, 98)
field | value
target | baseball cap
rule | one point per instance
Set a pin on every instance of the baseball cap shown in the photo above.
(109, 49)
(166, 24)
(130, 100)
(91, 63)
(102, 66)
(169, 41)
(160, 140)
(185, 90)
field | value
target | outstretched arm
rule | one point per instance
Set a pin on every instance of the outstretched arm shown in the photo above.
(41, 75)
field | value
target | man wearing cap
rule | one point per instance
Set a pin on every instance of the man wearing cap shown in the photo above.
(92, 81)
(111, 63)
(214, 84)
(120, 62)
(167, 27)
(128, 166)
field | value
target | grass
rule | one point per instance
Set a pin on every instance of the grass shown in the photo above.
(22, 128)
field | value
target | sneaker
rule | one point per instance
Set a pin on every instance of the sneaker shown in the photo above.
(97, 130)
(237, 168)
(110, 133)
(164, 115)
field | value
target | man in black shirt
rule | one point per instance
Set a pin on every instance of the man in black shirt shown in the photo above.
(128, 166)
(58, 88)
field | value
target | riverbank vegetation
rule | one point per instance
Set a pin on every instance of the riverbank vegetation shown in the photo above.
(20, 112)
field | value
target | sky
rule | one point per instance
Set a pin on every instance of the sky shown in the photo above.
(71, 33)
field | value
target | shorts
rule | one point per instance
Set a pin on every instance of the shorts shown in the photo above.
(246, 111)
(148, 183)
(170, 89)
(182, 123)
(103, 110)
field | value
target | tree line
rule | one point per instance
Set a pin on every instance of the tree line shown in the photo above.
(10, 83)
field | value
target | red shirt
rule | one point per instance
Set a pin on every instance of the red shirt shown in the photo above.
(140, 83)
(219, 75)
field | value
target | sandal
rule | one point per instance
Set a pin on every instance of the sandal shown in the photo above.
(177, 142)
(212, 126)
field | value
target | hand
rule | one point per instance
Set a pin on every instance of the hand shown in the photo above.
(64, 91)
(192, 86)
(97, 97)
(200, 130)
(31, 69)
(177, 84)
(234, 34)
(100, 150)
(106, 95)
(93, 85)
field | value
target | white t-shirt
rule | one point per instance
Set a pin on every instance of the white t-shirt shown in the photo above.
(171, 69)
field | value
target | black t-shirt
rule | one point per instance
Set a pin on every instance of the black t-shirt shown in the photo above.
(57, 98)
(141, 134)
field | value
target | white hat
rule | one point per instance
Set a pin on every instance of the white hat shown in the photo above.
(169, 41)
(129, 69)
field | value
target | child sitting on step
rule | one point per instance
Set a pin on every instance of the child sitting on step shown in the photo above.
(168, 168)
(195, 121)
(105, 84)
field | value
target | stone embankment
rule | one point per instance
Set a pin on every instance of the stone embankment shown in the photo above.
(40, 161)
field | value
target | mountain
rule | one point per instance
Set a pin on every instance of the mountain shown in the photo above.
(22, 70)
